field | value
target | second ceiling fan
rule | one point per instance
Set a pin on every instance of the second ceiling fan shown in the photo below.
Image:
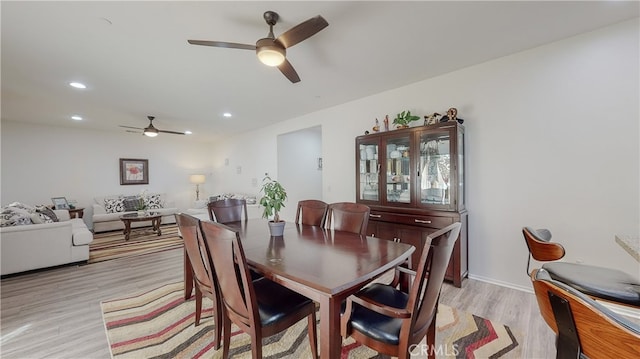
(272, 51)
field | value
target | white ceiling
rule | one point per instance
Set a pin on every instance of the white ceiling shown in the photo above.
(135, 59)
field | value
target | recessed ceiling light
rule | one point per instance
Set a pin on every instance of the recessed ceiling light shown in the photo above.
(226, 114)
(187, 132)
(78, 85)
(77, 118)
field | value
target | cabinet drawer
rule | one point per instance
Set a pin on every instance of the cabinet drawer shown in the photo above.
(411, 219)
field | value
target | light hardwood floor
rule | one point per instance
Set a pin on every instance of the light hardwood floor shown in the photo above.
(56, 313)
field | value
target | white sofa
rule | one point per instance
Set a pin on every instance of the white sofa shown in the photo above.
(104, 221)
(42, 245)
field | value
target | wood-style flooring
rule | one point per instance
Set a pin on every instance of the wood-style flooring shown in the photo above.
(56, 313)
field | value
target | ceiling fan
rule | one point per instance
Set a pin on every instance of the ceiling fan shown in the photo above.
(151, 131)
(271, 50)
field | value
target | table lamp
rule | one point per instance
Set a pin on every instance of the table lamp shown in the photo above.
(197, 180)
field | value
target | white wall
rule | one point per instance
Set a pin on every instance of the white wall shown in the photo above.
(552, 141)
(40, 162)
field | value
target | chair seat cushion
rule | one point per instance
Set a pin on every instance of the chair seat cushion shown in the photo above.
(375, 325)
(600, 282)
(276, 302)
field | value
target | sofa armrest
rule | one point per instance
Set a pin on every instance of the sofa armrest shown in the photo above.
(98, 209)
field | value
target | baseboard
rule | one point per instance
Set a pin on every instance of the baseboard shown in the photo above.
(501, 283)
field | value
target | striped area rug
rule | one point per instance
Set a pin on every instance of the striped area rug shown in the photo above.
(160, 324)
(111, 245)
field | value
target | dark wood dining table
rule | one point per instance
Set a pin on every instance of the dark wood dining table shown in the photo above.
(325, 265)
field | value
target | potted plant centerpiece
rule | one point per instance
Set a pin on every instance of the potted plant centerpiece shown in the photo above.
(273, 201)
(404, 118)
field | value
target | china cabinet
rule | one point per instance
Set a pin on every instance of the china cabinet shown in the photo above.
(413, 181)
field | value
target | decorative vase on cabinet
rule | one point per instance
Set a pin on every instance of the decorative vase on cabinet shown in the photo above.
(414, 185)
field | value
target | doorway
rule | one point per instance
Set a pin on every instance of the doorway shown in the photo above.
(300, 167)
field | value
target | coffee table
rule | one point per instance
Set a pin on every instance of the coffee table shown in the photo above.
(154, 217)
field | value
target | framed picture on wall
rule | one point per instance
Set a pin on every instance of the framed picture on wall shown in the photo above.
(134, 171)
(60, 203)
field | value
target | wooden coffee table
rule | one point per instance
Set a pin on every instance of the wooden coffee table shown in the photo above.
(154, 217)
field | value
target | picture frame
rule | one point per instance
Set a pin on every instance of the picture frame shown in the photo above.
(60, 203)
(134, 171)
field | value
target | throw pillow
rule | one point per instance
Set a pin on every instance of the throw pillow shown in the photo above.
(114, 205)
(132, 203)
(153, 201)
(47, 214)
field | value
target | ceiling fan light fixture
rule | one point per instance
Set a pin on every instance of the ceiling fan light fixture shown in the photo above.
(271, 54)
(150, 132)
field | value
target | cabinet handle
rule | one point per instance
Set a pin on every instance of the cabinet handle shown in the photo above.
(421, 221)
(375, 215)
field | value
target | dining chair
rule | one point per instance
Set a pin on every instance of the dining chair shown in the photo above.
(583, 327)
(598, 282)
(227, 210)
(392, 321)
(311, 212)
(260, 308)
(348, 216)
(204, 278)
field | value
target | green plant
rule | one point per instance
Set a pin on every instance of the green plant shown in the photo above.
(273, 199)
(404, 118)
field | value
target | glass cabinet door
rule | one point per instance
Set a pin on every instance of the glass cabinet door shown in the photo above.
(369, 170)
(435, 164)
(398, 169)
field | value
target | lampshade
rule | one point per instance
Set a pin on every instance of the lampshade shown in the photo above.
(197, 179)
(271, 55)
(150, 131)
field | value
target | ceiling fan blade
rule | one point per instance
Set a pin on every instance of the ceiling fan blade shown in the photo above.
(302, 31)
(289, 71)
(135, 128)
(230, 45)
(172, 132)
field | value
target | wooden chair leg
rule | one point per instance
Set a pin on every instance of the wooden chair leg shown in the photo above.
(198, 305)
(226, 337)
(218, 324)
(313, 338)
(256, 346)
(431, 339)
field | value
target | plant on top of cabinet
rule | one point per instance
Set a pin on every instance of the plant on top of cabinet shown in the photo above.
(404, 118)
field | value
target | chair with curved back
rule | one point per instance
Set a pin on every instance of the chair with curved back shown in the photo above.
(348, 216)
(583, 327)
(598, 282)
(203, 275)
(227, 210)
(389, 320)
(311, 212)
(260, 308)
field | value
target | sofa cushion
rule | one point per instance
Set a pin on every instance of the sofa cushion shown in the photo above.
(113, 205)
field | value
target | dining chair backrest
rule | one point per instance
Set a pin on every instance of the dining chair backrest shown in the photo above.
(391, 320)
(228, 210)
(204, 275)
(311, 212)
(540, 246)
(259, 307)
(234, 277)
(430, 275)
(348, 216)
(584, 327)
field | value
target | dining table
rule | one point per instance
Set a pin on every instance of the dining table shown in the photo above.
(324, 265)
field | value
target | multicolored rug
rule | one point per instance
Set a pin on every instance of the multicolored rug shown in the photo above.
(111, 245)
(160, 324)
